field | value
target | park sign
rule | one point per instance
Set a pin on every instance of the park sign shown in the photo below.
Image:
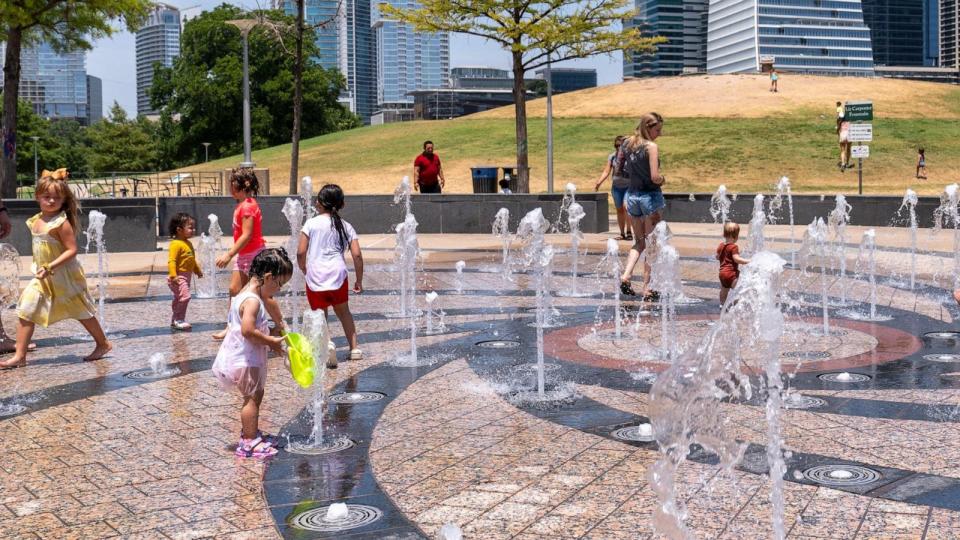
(860, 152)
(860, 133)
(858, 111)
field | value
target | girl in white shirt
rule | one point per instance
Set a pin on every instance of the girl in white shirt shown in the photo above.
(324, 240)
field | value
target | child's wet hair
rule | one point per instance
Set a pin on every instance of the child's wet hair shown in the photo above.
(731, 230)
(245, 180)
(178, 221)
(273, 261)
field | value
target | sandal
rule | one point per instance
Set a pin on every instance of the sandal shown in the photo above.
(258, 448)
(627, 289)
(652, 296)
(272, 440)
(629, 236)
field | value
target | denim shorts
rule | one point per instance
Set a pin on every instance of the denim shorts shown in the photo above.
(644, 203)
(618, 195)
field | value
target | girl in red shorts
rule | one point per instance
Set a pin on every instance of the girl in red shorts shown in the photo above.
(324, 240)
(728, 253)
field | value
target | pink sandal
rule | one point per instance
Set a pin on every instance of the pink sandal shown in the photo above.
(257, 448)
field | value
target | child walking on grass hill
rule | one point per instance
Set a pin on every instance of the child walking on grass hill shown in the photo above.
(728, 253)
(182, 266)
(58, 289)
(324, 240)
(241, 362)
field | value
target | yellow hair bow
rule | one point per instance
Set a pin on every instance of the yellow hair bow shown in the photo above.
(59, 174)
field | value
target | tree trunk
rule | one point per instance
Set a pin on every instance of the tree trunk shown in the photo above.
(520, 108)
(297, 100)
(8, 126)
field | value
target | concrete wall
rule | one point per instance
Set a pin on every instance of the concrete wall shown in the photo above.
(131, 223)
(867, 210)
(374, 214)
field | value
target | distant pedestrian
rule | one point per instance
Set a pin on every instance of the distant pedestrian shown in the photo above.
(427, 171)
(843, 134)
(921, 164)
(182, 266)
(728, 253)
(618, 187)
(774, 77)
(505, 187)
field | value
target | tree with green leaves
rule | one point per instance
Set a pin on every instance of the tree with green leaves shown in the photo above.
(204, 87)
(535, 33)
(121, 144)
(65, 24)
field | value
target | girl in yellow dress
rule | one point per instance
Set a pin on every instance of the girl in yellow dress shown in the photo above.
(59, 289)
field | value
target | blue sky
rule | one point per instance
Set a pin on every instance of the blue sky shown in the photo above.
(114, 59)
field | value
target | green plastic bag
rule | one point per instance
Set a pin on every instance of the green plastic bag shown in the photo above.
(301, 359)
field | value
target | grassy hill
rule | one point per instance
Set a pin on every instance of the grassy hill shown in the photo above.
(719, 129)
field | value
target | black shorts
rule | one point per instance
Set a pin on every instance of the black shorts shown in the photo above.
(430, 188)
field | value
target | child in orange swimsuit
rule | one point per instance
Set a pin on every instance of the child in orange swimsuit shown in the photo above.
(728, 253)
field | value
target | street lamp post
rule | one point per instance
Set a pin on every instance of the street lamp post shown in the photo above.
(245, 25)
(36, 170)
(206, 152)
(549, 77)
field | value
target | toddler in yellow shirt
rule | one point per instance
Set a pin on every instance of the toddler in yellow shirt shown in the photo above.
(182, 266)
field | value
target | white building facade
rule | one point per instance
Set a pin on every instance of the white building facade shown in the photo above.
(805, 36)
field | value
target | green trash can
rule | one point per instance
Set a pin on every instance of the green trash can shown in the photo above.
(484, 179)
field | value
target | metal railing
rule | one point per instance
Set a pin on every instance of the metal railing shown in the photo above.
(116, 184)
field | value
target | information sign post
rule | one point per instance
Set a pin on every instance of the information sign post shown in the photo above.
(860, 114)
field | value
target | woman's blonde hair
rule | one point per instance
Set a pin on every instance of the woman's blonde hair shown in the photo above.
(641, 134)
(57, 180)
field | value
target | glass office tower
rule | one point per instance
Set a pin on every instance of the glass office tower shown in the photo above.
(54, 83)
(158, 42)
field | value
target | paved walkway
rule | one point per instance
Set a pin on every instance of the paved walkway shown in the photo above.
(91, 451)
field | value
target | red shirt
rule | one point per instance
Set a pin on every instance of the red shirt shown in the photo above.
(725, 253)
(248, 208)
(429, 168)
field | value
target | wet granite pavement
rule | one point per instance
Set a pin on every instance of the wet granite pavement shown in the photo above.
(96, 453)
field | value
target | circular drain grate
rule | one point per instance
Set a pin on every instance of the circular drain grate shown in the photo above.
(10, 409)
(841, 475)
(151, 374)
(358, 515)
(498, 344)
(942, 335)
(942, 357)
(807, 355)
(356, 397)
(800, 401)
(844, 377)
(305, 448)
(632, 433)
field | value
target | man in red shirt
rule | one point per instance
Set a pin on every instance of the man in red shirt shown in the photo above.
(427, 172)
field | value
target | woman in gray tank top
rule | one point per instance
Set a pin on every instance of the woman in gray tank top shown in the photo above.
(618, 188)
(644, 200)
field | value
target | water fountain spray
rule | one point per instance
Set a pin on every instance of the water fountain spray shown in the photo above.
(575, 214)
(405, 256)
(665, 278)
(293, 211)
(686, 401)
(316, 331)
(612, 259)
(501, 229)
(434, 323)
(207, 253)
(539, 256)
(838, 219)
(910, 201)
(757, 222)
(95, 222)
(776, 203)
(569, 198)
(869, 244)
(460, 266)
(306, 191)
(402, 195)
(720, 205)
(815, 245)
(945, 214)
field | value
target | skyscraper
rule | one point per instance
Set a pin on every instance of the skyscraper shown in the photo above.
(94, 99)
(683, 23)
(809, 36)
(896, 30)
(931, 33)
(408, 60)
(54, 83)
(345, 42)
(158, 42)
(949, 38)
